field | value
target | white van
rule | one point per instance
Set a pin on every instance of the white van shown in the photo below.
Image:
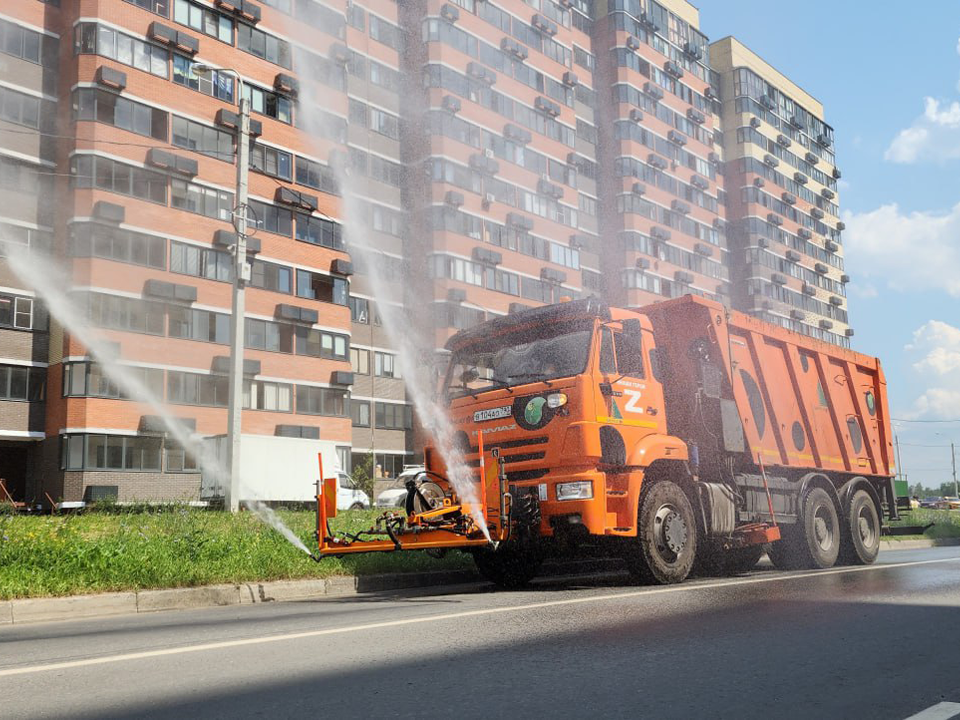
(349, 496)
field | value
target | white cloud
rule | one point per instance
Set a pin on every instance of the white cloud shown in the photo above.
(865, 291)
(936, 344)
(905, 251)
(934, 135)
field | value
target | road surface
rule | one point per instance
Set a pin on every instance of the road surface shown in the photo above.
(878, 642)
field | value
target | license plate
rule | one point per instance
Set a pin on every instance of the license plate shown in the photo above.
(492, 413)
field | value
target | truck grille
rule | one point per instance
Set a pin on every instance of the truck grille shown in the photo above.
(509, 445)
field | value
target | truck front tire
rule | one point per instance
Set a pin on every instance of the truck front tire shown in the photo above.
(861, 537)
(666, 544)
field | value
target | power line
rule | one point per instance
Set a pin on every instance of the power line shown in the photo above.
(923, 446)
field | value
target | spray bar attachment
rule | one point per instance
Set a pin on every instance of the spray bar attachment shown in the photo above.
(442, 524)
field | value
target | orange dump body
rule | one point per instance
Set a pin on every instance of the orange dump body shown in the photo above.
(803, 403)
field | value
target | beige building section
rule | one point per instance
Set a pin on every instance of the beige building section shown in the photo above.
(728, 55)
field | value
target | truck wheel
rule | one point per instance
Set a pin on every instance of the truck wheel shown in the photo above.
(666, 536)
(861, 537)
(357, 506)
(820, 544)
(511, 566)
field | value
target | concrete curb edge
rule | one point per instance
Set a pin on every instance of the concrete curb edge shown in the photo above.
(50, 609)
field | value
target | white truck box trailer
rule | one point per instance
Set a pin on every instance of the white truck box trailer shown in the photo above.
(272, 469)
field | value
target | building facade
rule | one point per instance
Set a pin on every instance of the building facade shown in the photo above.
(783, 204)
(455, 160)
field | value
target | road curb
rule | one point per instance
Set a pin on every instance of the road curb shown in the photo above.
(73, 607)
(914, 544)
(32, 610)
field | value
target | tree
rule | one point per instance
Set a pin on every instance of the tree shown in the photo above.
(362, 474)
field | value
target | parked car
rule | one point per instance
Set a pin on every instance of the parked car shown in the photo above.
(932, 503)
(349, 496)
(951, 503)
(396, 494)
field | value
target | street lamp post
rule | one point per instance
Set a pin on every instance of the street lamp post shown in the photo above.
(241, 275)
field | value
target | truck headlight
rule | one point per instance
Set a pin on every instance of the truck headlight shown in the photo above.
(580, 490)
(555, 400)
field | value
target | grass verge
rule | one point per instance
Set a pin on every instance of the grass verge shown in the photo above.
(177, 547)
(947, 524)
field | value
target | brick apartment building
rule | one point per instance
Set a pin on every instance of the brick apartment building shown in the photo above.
(502, 153)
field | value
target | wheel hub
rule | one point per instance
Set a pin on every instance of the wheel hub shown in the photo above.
(671, 531)
(865, 526)
(823, 531)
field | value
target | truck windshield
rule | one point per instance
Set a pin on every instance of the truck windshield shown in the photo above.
(514, 360)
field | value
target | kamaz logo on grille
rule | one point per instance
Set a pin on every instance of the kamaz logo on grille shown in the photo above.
(492, 413)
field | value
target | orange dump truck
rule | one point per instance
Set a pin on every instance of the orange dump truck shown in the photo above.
(676, 434)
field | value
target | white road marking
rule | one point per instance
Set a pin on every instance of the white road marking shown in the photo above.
(940, 711)
(126, 657)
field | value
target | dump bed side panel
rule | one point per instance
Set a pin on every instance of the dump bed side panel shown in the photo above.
(803, 403)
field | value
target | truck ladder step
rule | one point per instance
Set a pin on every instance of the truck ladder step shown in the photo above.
(616, 493)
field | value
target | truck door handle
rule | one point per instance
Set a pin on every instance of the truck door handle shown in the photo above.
(607, 389)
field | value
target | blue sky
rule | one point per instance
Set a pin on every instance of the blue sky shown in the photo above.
(889, 81)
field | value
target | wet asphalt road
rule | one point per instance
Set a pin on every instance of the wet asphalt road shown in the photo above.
(880, 642)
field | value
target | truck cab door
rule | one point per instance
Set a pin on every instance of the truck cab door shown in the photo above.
(629, 394)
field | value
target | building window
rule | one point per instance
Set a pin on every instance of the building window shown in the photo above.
(185, 388)
(18, 382)
(270, 218)
(90, 38)
(325, 288)
(256, 42)
(385, 365)
(317, 343)
(269, 103)
(160, 7)
(319, 231)
(360, 413)
(359, 310)
(112, 243)
(320, 177)
(16, 312)
(201, 19)
(203, 325)
(266, 335)
(105, 107)
(120, 313)
(105, 174)
(206, 201)
(214, 83)
(200, 262)
(390, 416)
(23, 43)
(269, 276)
(19, 108)
(387, 33)
(260, 395)
(178, 460)
(360, 361)
(87, 379)
(110, 452)
(321, 401)
(203, 139)
(270, 161)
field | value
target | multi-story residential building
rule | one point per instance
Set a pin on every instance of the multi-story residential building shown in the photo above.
(28, 108)
(501, 157)
(662, 205)
(781, 175)
(484, 155)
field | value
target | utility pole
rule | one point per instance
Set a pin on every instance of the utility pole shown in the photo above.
(896, 441)
(241, 275)
(953, 462)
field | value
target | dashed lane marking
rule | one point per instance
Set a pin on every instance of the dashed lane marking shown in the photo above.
(940, 711)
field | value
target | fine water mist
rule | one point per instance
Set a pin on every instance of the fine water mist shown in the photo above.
(410, 342)
(50, 283)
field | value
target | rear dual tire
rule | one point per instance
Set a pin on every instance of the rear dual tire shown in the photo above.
(814, 542)
(861, 538)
